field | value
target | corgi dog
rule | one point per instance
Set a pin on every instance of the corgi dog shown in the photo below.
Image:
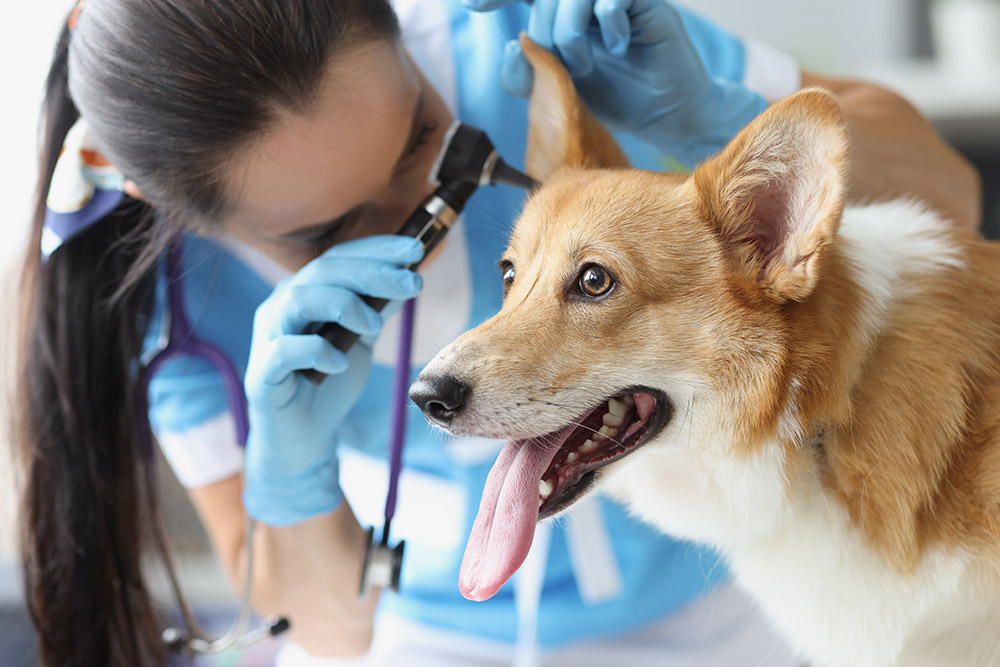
(746, 361)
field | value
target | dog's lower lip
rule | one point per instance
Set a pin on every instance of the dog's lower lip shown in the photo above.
(569, 496)
(571, 481)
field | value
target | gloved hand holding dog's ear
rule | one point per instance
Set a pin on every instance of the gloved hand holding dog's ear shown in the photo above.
(636, 67)
(291, 469)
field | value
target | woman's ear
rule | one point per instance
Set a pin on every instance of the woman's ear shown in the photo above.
(562, 131)
(132, 190)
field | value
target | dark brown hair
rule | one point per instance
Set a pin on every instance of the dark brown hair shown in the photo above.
(172, 91)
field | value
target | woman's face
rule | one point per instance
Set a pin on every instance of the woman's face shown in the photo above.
(354, 165)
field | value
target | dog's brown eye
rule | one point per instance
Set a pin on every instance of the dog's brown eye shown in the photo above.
(595, 280)
(507, 269)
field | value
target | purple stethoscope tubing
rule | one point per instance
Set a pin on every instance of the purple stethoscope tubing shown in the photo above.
(181, 341)
(398, 399)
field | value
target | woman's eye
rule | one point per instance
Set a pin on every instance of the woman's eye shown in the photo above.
(326, 235)
(595, 280)
(338, 230)
(426, 130)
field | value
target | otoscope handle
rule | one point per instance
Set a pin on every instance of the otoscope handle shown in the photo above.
(341, 338)
(429, 223)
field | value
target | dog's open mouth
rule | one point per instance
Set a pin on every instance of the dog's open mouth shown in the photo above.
(537, 477)
(609, 432)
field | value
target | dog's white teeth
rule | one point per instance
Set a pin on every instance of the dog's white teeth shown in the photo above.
(628, 400)
(571, 457)
(616, 408)
(612, 420)
(588, 446)
(544, 488)
(608, 432)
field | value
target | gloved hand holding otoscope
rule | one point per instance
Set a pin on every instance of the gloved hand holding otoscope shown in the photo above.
(290, 466)
(286, 484)
(467, 160)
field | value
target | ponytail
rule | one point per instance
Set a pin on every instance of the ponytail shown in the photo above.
(172, 92)
(88, 500)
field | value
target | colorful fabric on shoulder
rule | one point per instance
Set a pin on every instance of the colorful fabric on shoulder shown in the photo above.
(85, 188)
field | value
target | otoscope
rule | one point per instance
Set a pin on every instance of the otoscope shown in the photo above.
(467, 160)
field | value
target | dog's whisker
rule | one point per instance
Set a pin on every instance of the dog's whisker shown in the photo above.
(596, 431)
(544, 441)
(850, 425)
(864, 490)
(506, 225)
(689, 420)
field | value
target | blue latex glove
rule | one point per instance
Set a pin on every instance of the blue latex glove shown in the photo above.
(637, 69)
(291, 465)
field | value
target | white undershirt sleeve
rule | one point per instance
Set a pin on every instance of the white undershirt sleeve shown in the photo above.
(769, 72)
(205, 453)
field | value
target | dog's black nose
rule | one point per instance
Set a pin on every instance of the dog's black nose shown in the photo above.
(439, 396)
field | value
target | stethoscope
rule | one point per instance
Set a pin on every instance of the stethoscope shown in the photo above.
(178, 339)
(466, 161)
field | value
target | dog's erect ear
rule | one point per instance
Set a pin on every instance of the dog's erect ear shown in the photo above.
(776, 193)
(562, 131)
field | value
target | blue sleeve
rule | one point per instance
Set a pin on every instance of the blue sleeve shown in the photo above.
(185, 392)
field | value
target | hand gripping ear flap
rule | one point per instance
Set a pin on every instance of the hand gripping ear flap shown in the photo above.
(775, 195)
(562, 131)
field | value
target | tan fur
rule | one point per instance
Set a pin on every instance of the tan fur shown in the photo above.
(599, 149)
(917, 462)
(897, 423)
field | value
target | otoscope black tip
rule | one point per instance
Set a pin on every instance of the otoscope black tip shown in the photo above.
(506, 174)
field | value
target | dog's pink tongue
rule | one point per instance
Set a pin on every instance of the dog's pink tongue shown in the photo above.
(508, 511)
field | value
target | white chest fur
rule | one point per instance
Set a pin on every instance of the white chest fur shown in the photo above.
(837, 600)
(834, 598)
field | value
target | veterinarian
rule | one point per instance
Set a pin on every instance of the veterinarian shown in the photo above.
(273, 147)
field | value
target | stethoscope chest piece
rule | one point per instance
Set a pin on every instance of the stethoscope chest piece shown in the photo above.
(382, 565)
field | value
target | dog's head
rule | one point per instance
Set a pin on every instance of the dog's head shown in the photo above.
(631, 297)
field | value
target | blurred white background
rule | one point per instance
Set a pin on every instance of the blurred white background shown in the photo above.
(26, 39)
(944, 55)
(953, 75)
